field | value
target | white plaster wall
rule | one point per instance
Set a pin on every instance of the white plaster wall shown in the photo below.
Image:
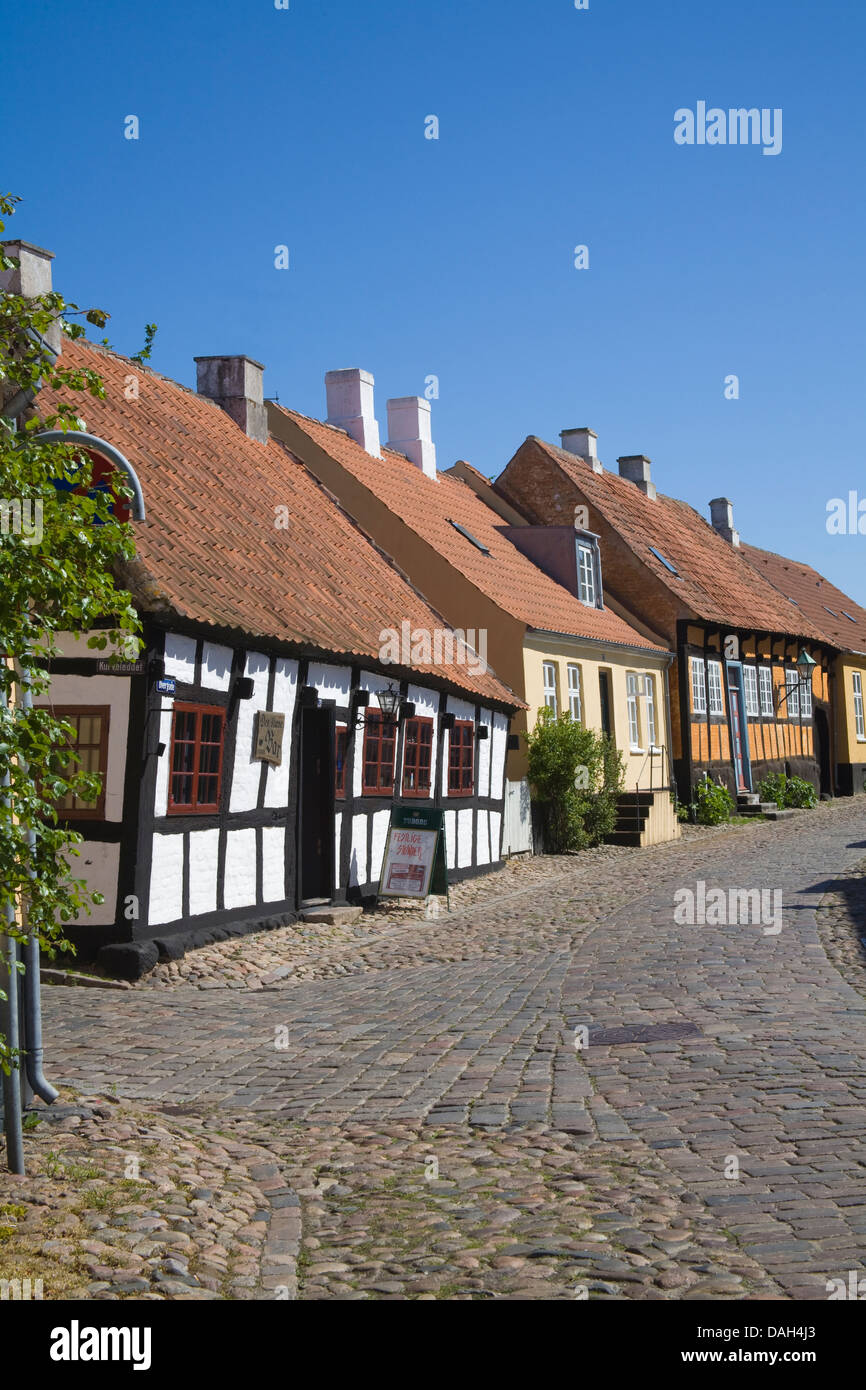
(239, 889)
(98, 866)
(484, 755)
(100, 690)
(495, 832)
(180, 657)
(427, 707)
(499, 739)
(461, 709)
(483, 838)
(166, 880)
(216, 666)
(273, 863)
(338, 837)
(248, 770)
(332, 682)
(451, 838)
(381, 820)
(203, 862)
(163, 764)
(285, 694)
(464, 838)
(358, 858)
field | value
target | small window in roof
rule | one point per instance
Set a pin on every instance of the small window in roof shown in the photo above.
(848, 616)
(469, 536)
(667, 564)
(830, 611)
(794, 601)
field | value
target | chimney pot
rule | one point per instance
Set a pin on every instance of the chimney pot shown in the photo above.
(637, 468)
(722, 518)
(409, 432)
(583, 443)
(235, 384)
(350, 406)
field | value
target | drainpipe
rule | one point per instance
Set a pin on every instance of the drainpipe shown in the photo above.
(10, 1023)
(19, 402)
(32, 998)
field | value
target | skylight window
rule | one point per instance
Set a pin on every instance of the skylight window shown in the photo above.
(667, 564)
(469, 536)
(830, 611)
(848, 616)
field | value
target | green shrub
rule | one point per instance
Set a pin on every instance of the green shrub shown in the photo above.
(788, 791)
(713, 803)
(575, 775)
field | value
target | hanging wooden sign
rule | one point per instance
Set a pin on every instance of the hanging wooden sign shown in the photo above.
(269, 737)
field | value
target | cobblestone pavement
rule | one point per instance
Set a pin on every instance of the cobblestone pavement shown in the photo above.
(731, 1156)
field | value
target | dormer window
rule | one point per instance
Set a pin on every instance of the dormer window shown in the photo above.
(589, 589)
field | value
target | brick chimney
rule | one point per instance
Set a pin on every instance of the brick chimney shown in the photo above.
(583, 443)
(31, 277)
(722, 518)
(409, 432)
(636, 467)
(350, 406)
(235, 383)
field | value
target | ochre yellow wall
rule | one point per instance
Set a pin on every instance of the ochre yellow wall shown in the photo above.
(537, 650)
(849, 749)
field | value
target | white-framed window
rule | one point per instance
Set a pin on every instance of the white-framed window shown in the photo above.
(631, 686)
(765, 677)
(699, 686)
(714, 681)
(574, 707)
(792, 681)
(548, 675)
(806, 699)
(859, 725)
(586, 574)
(750, 685)
(650, 695)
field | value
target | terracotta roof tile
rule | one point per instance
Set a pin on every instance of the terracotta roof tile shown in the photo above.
(505, 575)
(714, 579)
(820, 601)
(210, 549)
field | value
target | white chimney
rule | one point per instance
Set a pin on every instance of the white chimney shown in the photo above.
(350, 406)
(636, 467)
(409, 432)
(722, 518)
(31, 277)
(583, 443)
(235, 383)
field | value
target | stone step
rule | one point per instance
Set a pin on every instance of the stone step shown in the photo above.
(624, 837)
(332, 916)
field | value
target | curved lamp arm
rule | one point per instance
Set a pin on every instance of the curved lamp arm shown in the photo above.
(101, 446)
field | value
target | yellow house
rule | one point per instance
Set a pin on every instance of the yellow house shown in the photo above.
(528, 600)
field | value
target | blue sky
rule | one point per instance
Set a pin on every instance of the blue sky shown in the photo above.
(455, 257)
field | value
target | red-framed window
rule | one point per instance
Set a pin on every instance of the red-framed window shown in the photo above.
(461, 758)
(90, 745)
(417, 757)
(380, 741)
(341, 748)
(195, 776)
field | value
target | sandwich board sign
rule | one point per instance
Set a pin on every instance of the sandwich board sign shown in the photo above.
(414, 863)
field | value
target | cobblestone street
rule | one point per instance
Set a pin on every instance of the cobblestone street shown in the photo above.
(421, 1090)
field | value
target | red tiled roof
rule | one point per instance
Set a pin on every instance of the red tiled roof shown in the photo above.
(429, 506)
(210, 549)
(714, 579)
(821, 602)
